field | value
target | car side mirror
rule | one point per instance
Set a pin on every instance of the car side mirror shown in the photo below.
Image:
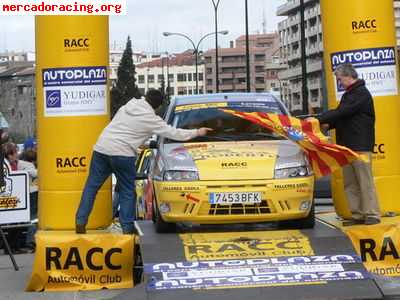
(153, 145)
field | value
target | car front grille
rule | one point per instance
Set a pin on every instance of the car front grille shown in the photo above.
(240, 209)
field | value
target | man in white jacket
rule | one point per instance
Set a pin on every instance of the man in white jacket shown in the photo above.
(115, 152)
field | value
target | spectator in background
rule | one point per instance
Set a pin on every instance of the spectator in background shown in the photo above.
(29, 159)
(14, 234)
(3, 138)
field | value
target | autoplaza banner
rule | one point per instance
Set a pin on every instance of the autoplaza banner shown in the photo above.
(65, 261)
(377, 66)
(253, 272)
(14, 200)
(378, 247)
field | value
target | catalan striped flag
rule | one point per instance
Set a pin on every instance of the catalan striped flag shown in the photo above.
(324, 157)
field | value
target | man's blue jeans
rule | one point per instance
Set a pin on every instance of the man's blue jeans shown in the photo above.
(101, 167)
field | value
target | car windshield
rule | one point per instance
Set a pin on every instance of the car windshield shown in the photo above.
(226, 127)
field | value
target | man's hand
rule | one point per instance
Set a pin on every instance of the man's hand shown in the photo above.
(325, 126)
(203, 131)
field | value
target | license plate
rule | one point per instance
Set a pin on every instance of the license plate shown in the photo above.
(233, 198)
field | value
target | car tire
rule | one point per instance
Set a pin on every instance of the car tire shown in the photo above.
(160, 225)
(304, 223)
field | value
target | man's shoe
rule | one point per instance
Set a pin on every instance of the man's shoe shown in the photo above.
(353, 222)
(372, 221)
(80, 228)
(131, 231)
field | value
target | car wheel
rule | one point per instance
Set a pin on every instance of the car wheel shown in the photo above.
(160, 225)
(304, 223)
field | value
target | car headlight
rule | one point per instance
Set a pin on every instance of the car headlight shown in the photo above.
(181, 176)
(300, 171)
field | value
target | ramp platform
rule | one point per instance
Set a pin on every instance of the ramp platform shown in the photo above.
(259, 263)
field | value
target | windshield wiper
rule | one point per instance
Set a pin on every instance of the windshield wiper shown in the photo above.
(215, 138)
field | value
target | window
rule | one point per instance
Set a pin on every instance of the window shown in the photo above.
(171, 91)
(171, 77)
(181, 77)
(141, 78)
(160, 78)
(194, 76)
(182, 91)
(189, 76)
(201, 77)
(150, 78)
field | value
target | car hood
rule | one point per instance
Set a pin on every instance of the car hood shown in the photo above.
(231, 160)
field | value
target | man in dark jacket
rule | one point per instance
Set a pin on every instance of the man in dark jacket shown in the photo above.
(354, 121)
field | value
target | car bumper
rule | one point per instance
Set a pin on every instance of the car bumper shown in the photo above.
(283, 199)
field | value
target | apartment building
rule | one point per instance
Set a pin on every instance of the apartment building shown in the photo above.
(289, 32)
(232, 64)
(177, 70)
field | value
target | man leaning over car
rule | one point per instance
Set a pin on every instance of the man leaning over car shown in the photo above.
(115, 152)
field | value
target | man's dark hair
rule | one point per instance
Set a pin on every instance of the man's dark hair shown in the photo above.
(154, 98)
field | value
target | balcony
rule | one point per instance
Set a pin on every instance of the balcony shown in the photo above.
(290, 7)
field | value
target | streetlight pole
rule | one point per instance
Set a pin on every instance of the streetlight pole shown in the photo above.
(196, 49)
(168, 86)
(303, 60)
(247, 49)
(216, 4)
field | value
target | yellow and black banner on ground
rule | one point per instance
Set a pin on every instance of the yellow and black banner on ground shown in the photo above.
(66, 261)
(245, 245)
(378, 247)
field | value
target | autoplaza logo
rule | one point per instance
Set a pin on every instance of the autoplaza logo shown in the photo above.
(377, 66)
(76, 91)
(365, 57)
(74, 76)
(252, 272)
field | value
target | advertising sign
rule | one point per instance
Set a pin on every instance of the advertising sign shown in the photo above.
(66, 261)
(14, 200)
(377, 66)
(75, 91)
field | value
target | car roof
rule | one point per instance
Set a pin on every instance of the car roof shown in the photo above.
(210, 98)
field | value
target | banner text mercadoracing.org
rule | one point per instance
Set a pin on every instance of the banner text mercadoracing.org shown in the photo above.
(62, 7)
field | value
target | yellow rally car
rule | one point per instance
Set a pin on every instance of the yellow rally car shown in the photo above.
(239, 173)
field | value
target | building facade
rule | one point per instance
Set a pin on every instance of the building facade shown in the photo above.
(232, 64)
(178, 71)
(289, 31)
(18, 99)
(397, 20)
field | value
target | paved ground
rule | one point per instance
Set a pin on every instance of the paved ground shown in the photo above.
(12, 283)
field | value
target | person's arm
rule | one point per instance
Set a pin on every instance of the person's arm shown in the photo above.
(160, 127)
(346, 109)
(28, 167)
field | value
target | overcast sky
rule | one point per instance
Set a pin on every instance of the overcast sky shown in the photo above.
(147, 19)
